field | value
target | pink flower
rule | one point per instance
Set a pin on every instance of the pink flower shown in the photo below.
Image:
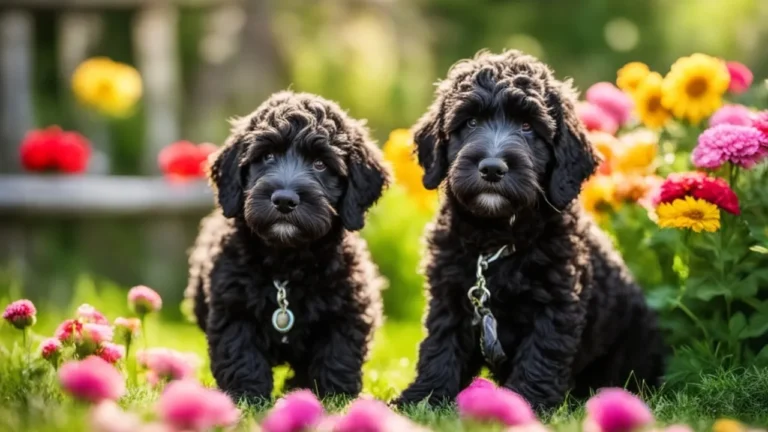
(20, 314)
(166, 364)
(613, 101)
(616, 410)
(731, 114)
(107, 416)
(529, 427)
(50, 350)
(69, 331)
(88, 314)
(678, 428)
(187, 405)
(110, 352)
(760, 122)
(144, 300)
(595, 118)
(127, 328)
(741, 77)
(740, 145)
(97, 333)
(92, 380)
(369, 415)
(294, 412)
(485, 403)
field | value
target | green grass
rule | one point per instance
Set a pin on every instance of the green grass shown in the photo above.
(31, 401)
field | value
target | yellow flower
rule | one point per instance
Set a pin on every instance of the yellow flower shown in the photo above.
(398, 150)
(694, 87)
(637, 152)
(691, 213)
(110, 87)
(728, 425)
(648, 98)
(598, 195)
(631, 75)
(605, 145)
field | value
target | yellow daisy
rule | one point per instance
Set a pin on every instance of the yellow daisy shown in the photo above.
(728, 425)
(631, 75)
(694, 87)
(637, 152)
(598, 195)
(648, 97)
(398, 150)
(690, 213)
(109, 87)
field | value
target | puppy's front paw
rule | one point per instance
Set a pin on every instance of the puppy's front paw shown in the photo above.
(249, 397)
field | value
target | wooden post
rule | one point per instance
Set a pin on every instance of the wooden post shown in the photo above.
(155, 39)
(16, 57)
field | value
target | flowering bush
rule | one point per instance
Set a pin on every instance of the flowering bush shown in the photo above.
(687, 206)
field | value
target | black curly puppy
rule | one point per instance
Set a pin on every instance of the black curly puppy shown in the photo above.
(294, 181)
(504, 140)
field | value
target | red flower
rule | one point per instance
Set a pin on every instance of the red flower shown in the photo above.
(69, 331)
(700, 186)
(56, 150)
(184, 160)
(741, 77)
(21, 314)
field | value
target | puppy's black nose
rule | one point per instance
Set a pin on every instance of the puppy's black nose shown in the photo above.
(492, 169)
(285, 201)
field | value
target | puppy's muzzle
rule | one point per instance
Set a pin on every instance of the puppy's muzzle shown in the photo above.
(285, 201)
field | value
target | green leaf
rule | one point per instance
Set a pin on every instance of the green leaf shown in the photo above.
(705, 288)
(761, 359)
(663, 297)
(758, 325)
(737, 324)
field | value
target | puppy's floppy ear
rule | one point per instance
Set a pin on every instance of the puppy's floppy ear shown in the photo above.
(574, 158)
(225, 176)
(367, 176)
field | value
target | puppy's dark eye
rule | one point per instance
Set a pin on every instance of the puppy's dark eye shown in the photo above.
(526, 128)
(318, 165)
(472, 123)
(269, 157)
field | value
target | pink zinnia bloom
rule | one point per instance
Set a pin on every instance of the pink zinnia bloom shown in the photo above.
(107, 416)
(92, 380)
(69, 331)
(88, 314)
(731, 114)
(110, 352)
(187, 405)
(20, 314)
(369, 415)
(595, 118)
(740, 145)
(144, 300)
(612, 100)
(297, 411)
(481, 402)
(760, 122)
(741, 77)
(50, 350)
(166, 364)
(97, 333)
(617, 410)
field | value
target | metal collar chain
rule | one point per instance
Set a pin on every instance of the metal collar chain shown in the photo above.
(282, 318)
(479, 295)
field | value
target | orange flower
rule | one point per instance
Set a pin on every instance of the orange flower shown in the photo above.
(398, 150)
(605, 144)
(637, 152)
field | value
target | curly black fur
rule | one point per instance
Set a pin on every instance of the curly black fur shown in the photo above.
(299, 144)
(570, 317)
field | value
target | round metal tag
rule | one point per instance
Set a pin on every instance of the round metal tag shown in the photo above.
(276, 318)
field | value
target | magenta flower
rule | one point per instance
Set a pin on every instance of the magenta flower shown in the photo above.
(484, 403)
(111, 353)
(595, 118)
(295, 412)
(740, 145)
(612, 100)
(760, 122)
(69, 331)
(738, 115)
(97, 333)
(107, 416)
(616, 410)
(741, 77)
(369, 415)
(92, 380)
(167, 365)
(187, 405)
(88, 314)
(50, 350)
(144, 300)
(20, 314)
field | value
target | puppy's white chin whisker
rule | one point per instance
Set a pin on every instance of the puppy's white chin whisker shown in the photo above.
(490, 202)
(284, 231)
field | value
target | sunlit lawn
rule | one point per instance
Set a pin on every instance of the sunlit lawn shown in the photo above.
(30, 401)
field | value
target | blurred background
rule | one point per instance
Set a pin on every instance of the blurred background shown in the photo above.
(204, 61)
